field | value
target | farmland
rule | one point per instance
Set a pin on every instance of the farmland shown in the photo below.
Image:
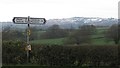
(97, 39)
(87, 46)
(59, 41)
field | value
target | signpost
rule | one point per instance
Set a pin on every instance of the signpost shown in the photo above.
(24, 20)
(28, 21)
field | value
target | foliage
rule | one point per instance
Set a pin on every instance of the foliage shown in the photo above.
(35, 33)
(113, 34)
(55, 32)
(82, 35)
(87, 55)
(9, 34)
(13, 52)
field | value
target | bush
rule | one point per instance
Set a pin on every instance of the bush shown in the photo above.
(55, 32)
(13, 53)
(81, 35)
(87, 55)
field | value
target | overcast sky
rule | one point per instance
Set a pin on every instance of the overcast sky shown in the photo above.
(51, 9)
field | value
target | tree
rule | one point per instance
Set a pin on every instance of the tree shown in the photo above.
(34, 33)
(82, 35)
(55, 32)
(9, 34)
(112, 33)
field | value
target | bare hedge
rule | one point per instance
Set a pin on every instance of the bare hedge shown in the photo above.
(67, 55)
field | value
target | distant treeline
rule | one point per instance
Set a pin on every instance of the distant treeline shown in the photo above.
(84, 34)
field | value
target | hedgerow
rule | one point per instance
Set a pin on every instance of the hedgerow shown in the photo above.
(56, 55)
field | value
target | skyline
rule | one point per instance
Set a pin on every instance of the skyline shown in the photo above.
(57, 9)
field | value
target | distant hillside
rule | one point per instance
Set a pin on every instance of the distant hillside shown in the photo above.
(78, 21)
(73, 22)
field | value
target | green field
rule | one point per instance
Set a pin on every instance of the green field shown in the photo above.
(97, 39)
(59, 41)
(41, 55)
(102, 41)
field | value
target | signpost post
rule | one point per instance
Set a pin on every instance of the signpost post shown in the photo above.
(28, 21)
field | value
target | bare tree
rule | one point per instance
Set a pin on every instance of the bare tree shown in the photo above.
(112, 33)
(82, 35)
(55, 32)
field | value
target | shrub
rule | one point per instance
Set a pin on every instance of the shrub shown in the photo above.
(81, 55)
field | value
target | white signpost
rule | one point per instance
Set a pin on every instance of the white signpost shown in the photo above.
(28, 21)
(24, 20)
